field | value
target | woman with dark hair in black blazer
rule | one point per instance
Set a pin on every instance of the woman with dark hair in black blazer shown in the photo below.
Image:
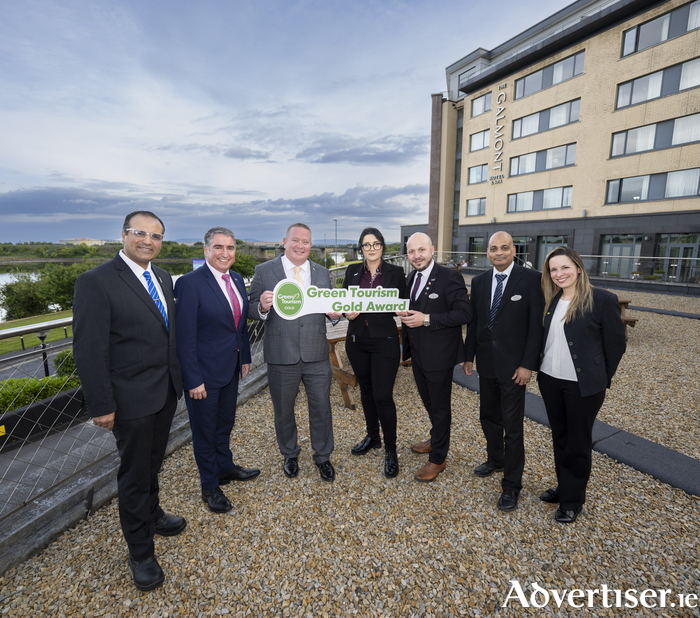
(372, 346)
(584, 340)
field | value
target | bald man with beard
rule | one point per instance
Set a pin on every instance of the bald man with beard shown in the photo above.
(506, 337)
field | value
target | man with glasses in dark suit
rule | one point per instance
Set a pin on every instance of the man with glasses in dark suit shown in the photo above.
(124, 349)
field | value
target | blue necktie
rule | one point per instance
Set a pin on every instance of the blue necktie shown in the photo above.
(496, 299)
(154, 295)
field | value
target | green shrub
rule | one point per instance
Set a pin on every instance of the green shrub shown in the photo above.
(65, 364)
(23, 298)
(18, 392)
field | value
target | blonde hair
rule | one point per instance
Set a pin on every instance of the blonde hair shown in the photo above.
(582, 302)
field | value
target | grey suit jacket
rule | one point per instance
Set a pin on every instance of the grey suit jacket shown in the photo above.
(125, 356)
(289, 341)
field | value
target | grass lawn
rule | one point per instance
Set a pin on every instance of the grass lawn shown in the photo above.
(14, 344)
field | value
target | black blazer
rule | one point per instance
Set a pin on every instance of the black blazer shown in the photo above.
(596, 341)
(516, 339)
(445, 298)
(125, 356)
(381, 325)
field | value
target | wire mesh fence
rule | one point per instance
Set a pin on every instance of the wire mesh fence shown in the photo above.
(45, 433)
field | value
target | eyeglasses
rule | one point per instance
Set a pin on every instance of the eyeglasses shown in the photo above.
(142, 234)
(375, 246)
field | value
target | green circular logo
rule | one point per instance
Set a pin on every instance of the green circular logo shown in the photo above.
(289, 299)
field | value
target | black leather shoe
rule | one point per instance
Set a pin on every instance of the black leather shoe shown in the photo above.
(391, 464)
(170, 525)
(551, 496)
(365, 445)
(238, 474)
(147, 574)
(567, 517)
(216, 500)
(327, 471)
(291, 467)
(508, 500)
(487, 469)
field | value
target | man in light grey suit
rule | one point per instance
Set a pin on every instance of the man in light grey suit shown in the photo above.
(296, 351)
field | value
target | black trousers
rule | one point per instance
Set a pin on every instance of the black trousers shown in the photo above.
(501, 412)
(571, 418)
(435, 389)
(141, 443)
(375, 363)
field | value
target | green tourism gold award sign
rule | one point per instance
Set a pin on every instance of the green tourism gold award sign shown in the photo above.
(292, 300)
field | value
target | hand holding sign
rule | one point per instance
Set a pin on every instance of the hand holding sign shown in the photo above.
(291, 300)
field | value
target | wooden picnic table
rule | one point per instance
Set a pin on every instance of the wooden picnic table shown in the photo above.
(626, 320)
(344, 374)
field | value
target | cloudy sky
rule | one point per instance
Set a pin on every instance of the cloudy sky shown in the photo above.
(247, 114)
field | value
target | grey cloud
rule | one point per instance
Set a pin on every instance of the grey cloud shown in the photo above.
(232, 152)
(388, 150)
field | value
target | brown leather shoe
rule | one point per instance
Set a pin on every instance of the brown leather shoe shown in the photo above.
(422, 447)
(429, 472)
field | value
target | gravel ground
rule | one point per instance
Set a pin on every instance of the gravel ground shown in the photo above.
(369, 546)
(667, 302)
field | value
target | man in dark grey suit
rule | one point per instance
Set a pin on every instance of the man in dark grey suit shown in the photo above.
(506, 337)
(296, 351)
(124, 348)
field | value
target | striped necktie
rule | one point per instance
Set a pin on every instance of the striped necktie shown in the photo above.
(496, 299)
(154, 295)
(234, 300)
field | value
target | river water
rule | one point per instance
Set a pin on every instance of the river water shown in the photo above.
(33, 269)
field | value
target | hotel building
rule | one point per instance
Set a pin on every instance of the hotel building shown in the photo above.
(583, 130)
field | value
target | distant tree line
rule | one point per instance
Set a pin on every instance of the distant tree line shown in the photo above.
(25, 296)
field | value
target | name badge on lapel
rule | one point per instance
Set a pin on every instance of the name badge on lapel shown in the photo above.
(433, 296)
(516, 297)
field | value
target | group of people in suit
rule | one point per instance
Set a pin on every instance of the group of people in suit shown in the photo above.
(133, 372)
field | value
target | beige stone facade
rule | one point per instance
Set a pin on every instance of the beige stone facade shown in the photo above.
(590, 216)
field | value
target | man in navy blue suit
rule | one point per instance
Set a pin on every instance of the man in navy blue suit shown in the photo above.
(214, 352)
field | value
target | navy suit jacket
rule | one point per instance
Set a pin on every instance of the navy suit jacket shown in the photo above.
(209, 346)
(516, 338)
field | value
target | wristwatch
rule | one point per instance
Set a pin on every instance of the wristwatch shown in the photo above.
(426, 320)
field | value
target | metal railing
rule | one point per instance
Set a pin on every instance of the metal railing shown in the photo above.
(44, 436)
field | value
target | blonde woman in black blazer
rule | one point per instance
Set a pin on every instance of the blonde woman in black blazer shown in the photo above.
(372, 346)
(584, 341)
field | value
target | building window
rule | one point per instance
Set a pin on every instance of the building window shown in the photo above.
(550, 76)
(482, 104)
(669, 26)
(620, 255)
(542, 160)
(545, 199)
(476, 207)
(662, 83)
(478, 141)
(668, 185)
(657, 136)
(478, 174)
(547, 119)
(545, 244)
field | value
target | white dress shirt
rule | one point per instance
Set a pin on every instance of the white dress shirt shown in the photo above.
(494, 281)
(557, 361)
(304, 273)
(222, 284)
(425, 275)
(138, 271)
